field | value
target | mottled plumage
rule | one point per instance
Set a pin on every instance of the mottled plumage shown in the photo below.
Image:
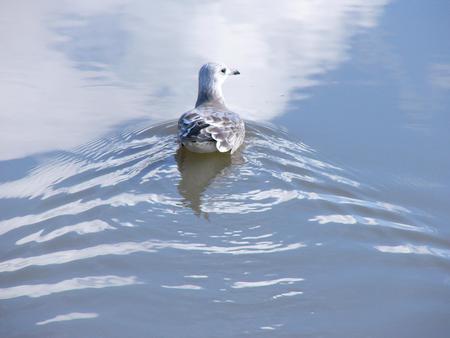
(211, 126)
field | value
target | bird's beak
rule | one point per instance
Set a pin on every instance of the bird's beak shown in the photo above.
(235, 72)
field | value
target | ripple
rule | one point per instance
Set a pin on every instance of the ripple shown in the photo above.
(79, 228)
(353, 219)
(183, 287)
(78, 207)
(91, 282)
(164, 203)
(288, 294)
(126, 248)
(270, 328)
(69, 316)
(257, 284)
(413, 249)
(143, 166)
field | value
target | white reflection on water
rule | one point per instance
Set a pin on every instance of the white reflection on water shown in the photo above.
(80, 182)
(69, 316)
(196, 276)
(126, 248)
(241, 285)
(79, 228)
(288, 294)
(43, 180)
(78, 207)
(354, 219)
(413, 249)
(91, 282)
(267, 328)
(82, 68)
(183, 287)
(255, 201)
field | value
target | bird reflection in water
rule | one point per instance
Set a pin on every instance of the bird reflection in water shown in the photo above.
(198, 171)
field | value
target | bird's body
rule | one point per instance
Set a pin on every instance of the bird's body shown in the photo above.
(211, 126)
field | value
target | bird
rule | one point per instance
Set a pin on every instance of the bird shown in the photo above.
(211, 126)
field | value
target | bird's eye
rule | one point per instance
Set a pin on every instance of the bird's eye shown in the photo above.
(224, 70)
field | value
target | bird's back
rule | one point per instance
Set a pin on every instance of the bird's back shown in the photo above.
(210, 128)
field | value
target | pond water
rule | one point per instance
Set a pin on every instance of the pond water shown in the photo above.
(330, 221)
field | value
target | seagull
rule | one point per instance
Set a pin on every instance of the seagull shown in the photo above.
(211, 126)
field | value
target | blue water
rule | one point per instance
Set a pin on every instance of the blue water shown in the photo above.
(331, 220)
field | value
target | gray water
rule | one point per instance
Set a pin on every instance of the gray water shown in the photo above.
(331, 220)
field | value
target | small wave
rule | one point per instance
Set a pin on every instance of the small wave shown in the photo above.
(91, 282)
(126, 248)
(82, 228)
(183, 287)
(353, 219)
(138, 196)
(69, 316)
(144, 166)
(288, 294)
(413, 249)
(241, 285)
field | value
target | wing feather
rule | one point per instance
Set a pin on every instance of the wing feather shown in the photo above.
(224, 127)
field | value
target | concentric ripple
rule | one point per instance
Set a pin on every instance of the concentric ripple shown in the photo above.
(134, 212)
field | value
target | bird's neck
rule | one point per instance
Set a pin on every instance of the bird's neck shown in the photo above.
(210, 93)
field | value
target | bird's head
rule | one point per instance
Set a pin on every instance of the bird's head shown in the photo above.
(210, 79)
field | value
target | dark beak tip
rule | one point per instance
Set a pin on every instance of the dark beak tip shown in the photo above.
(236, 72)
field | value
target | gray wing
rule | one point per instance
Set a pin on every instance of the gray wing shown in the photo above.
(191, 126)
(207, 124)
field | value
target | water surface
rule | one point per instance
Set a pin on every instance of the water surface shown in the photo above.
(331, 220)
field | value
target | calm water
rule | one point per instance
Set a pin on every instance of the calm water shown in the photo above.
(331, 221)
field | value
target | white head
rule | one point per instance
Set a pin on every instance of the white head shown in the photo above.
(210, 79)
